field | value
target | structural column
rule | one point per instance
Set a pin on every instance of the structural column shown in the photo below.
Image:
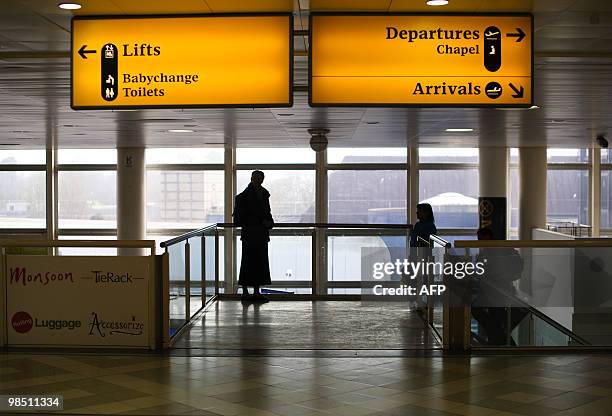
(319, 249)
(229, 235)
(492, 203)
(131, 197)
(532, 205)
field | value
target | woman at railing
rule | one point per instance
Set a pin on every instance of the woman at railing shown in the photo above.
(424, 227)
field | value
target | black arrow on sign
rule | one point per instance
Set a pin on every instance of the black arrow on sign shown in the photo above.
(519, 93)
(83, 51)
(519, 36)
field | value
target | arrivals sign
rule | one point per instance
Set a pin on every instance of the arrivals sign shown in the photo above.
(421, 60)
(178, 62)
(78, 301)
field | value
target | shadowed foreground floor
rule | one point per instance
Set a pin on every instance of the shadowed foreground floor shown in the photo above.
(156, 385)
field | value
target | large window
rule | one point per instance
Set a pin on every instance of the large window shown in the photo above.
(184, 199)
(22, 189)
(291, 193)
(87, 191)
(514, 187)
(567, 189)
(367, 196)
(606, 189)
(277, 155)
(367, 185)
(448, 155)
(448, 180)
(453, 195)
(87, 199)
(22, 199)
(185, 189)
(367, 155)
(22, 157)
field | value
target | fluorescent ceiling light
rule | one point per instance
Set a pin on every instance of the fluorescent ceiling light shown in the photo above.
(180, 131)
(437, 2)
(459, 130)
(69, 6)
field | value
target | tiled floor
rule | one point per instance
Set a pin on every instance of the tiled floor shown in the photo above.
(307, 325)
(161, 385)
(283, 381)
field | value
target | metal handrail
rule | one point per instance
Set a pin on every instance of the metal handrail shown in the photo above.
(195, 233)
(80, 243)
(440, 241)
(533, 243)
(326, 225)
(201, 231)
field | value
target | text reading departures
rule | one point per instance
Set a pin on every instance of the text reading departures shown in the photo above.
(438, 60)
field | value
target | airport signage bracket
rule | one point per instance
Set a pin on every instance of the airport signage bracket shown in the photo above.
(182, 61)
(421, 60)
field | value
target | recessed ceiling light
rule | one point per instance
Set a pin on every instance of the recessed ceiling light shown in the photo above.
(534, 107)
(437, 2)
(180, 131)
(69, 6)
(284, 114)
(459, 130)
(372, 122)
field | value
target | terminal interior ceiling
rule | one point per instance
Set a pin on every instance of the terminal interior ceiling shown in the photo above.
(573, 85)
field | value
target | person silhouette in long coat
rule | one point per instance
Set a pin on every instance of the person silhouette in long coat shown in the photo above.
(252, 213)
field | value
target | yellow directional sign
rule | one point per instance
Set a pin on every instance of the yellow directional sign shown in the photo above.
(184, 61)
(421, 60)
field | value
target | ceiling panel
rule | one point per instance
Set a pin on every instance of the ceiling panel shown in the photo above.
(573, 86)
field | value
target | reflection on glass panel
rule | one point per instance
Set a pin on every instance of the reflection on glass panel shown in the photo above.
(291, 193)
(367, 196)
(606, 199)
(568, 155)
(186, 155)
(22, 157)
(177, 286)
(514, 155)
(89, 251)
(209, 270)
(195, 274)
(514, 195)
(87, 199)
(453, 195)
(86, 156)
(275, 155)
(567, 196)
(367, 155)
(541, 296)
(448, 155)
(22, 199)
(606, 156)
(290, 257)
(345, 255)
(184, 199)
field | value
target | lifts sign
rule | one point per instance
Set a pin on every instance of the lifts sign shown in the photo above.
(179, 62)
(421, 60)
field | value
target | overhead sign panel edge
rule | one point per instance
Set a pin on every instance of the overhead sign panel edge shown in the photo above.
(182, 61)
(421, 60)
